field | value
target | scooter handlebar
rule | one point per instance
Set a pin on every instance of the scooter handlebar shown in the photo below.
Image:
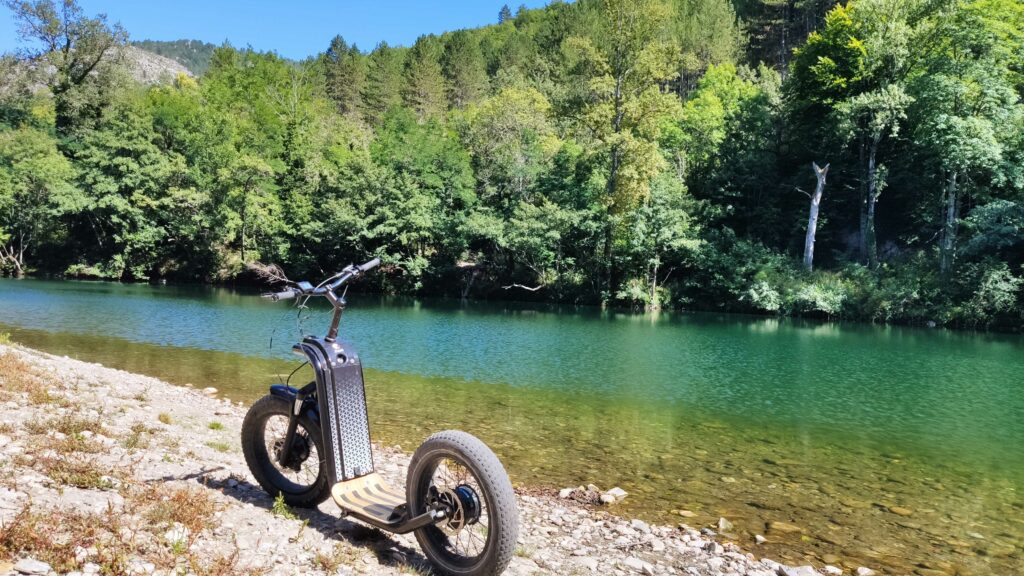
(276, 296)
(366, 267)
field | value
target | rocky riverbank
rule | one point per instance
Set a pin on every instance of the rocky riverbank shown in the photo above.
(104, 471)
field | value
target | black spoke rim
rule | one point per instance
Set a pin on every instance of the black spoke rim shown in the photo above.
(464, 535)
(299, 476)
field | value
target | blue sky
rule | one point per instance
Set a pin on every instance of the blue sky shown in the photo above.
(294, 29)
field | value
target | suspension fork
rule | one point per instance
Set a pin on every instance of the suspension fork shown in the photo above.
(298, 405)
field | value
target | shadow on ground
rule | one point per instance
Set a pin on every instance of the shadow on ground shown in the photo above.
(333, 527)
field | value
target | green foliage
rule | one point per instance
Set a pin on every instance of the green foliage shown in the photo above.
(628, 152)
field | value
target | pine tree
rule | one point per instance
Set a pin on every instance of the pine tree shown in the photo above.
(464, 69)
(383, 87)
(505, 14)
(424, 89)
(346, 76)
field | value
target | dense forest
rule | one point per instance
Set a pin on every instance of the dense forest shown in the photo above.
(861, 160)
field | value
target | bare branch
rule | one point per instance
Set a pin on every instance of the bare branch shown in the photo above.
(269, 272)
(533, 289)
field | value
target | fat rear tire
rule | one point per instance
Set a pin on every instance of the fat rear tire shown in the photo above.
(503, 520)
(268, 476)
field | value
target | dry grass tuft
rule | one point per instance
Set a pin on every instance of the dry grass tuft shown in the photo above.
(17, 375)
(52, 536)
(137, 436)
(163, 505)
(76, 471)
(68, 424)
(164, 418)
(73, 443)
(223, 565)
(338, 556)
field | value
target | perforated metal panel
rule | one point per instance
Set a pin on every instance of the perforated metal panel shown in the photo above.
(343, 420)
(351, 421)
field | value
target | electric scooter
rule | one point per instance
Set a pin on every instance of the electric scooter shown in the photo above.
(309, 443)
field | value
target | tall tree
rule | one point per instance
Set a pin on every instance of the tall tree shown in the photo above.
(35, 189)
(383, 89)
(623, 61)
(966, 98)
(852, 74)
(706, 32)
(464, 69)
(77, 46)
(345, 74)
(424, 89)
(505, 14)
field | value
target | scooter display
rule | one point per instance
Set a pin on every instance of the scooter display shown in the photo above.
(307, 444)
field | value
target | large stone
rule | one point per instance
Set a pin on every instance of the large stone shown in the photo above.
(724, 525)
(864, 571)
(565, 492)
(617, 493)
(640, 525)
(900, 511)
(31, 566)
(637, 565)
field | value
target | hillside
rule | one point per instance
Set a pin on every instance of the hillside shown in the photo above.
(192, 54)
(148, 68)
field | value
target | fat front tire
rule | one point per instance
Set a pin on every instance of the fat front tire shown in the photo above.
(480, 538)
(303, 484)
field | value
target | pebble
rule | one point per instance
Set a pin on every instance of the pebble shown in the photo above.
(798, 571)
(864, 571)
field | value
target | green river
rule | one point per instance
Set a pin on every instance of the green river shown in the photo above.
(896, 448)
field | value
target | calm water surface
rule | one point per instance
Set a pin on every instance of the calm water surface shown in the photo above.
(824, 426)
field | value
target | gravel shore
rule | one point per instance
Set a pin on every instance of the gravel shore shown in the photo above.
(104, 471)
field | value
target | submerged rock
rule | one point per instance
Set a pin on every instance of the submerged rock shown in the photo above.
(784, 527)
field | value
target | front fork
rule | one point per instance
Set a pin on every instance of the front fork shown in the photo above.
(298, 399)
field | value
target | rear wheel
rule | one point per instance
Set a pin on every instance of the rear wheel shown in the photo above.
(457, 472)
(301, 477)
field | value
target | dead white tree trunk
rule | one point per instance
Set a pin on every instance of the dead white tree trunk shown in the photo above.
(948, 246)
(812, 219)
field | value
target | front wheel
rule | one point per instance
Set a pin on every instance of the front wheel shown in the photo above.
(300, 477)
(458, 472)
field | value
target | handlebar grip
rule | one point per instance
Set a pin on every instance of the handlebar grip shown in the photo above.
(369, 265)
(275, 296)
